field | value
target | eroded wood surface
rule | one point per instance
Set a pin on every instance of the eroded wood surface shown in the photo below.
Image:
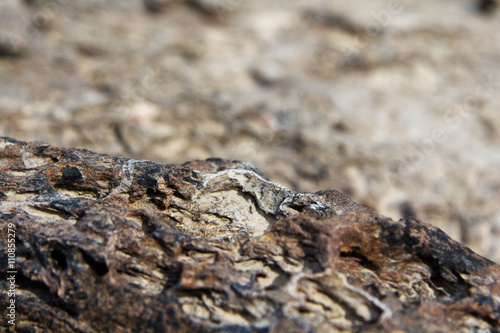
(112, 244)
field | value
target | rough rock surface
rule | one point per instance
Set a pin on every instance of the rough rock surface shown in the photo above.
(109, 244)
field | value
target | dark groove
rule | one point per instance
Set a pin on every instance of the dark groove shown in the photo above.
(97, 265)
(45, 295)
(59, 258)
(61, 214)
(359, 258)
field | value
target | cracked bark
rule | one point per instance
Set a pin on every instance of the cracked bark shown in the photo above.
(112, 244)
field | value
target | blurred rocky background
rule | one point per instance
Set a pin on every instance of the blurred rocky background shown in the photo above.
(393, 102)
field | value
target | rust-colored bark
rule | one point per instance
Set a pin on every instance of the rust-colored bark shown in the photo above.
(107, 244)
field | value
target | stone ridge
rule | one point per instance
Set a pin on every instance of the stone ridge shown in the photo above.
(112, 244)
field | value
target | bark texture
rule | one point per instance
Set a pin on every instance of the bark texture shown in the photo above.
(393, 102)
(109, 244)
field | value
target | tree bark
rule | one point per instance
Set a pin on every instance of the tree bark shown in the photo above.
(109, 244)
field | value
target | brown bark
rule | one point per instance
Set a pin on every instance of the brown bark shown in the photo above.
(109, 244)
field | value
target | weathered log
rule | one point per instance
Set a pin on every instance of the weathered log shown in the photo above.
(109, 244)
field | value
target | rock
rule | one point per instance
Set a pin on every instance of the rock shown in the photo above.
(12, 41)
(268, 73)
(215, 7)
(115, 244)
(487, 6)
(332, 20)
(155, 6)
(11, 45)
(90, 48)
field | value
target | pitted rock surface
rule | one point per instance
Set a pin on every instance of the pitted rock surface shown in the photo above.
(112, 244)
